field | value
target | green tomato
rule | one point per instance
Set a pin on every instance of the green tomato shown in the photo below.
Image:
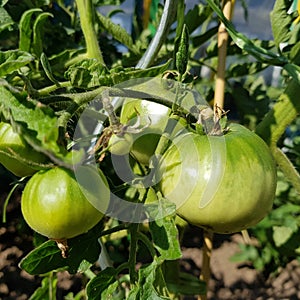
(154, 117)
(56, 205)
(9, 140)
(120, 144)
(221, 183)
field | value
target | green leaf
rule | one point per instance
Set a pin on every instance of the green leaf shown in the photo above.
(260, 53)
(243, 69)
(47, 257)
(43, 291)
(197, 16)
(151, 284)
(25, 35)
(163, 229)
(123, 74)
(281, 234)
(37, 42)
(203, 38)
(12, 60)
(118, 33)
(6, 22)
(37, 125)
(47, 68)
(281, 21)
(88, 73)
(187, 284)
(101, 283)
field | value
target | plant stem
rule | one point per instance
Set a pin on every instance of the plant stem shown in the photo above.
(132, 252)
(207, 250)
(166, 21)
(288, 169)
(86, 14)
(222, 53)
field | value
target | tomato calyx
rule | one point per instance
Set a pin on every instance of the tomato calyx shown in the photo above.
(63, 247)
(213, 121)
(117, 133)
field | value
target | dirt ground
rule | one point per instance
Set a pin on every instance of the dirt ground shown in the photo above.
(229, 280)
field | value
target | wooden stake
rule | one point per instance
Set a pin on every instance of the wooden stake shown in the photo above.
(218, 102)
(222, 53)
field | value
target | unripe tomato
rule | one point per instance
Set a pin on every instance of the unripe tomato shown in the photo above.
(120, 144)
(154, 117)
(221, 183)
(11, 140)
(56, 205)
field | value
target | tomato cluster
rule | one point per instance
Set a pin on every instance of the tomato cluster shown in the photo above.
(223, 183)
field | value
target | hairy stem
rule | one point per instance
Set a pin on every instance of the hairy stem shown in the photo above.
(86, 14)
(132, 252)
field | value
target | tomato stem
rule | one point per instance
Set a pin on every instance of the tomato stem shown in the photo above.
(132, 252)
(86, 14)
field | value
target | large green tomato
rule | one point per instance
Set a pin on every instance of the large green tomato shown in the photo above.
(9, 140)
(221, 183)
(56, 205)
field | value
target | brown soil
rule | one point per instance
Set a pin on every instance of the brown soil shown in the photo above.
(229, 280)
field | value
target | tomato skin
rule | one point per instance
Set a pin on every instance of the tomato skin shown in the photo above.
(120, 144)
(54, 205)
(11, 140)
(152, 114)
(243, 180)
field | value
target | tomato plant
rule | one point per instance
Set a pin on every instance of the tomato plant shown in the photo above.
(16, 155)
(65, 67)
(225, 185)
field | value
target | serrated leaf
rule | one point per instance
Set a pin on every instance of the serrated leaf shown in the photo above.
(5, 19)
(38, 125)
(151, 284)
(243, 69)
(25, 27)
(187, 284)
(100, 283)
(281, 21)
(163, 229)
(47, 68)
(281, 235)
(43, 291)
(260, 53)
(121, 75)
(12, 60)
(47, 257)
(196, 16)
(88, 73)
(118, 32)
(37, 42)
